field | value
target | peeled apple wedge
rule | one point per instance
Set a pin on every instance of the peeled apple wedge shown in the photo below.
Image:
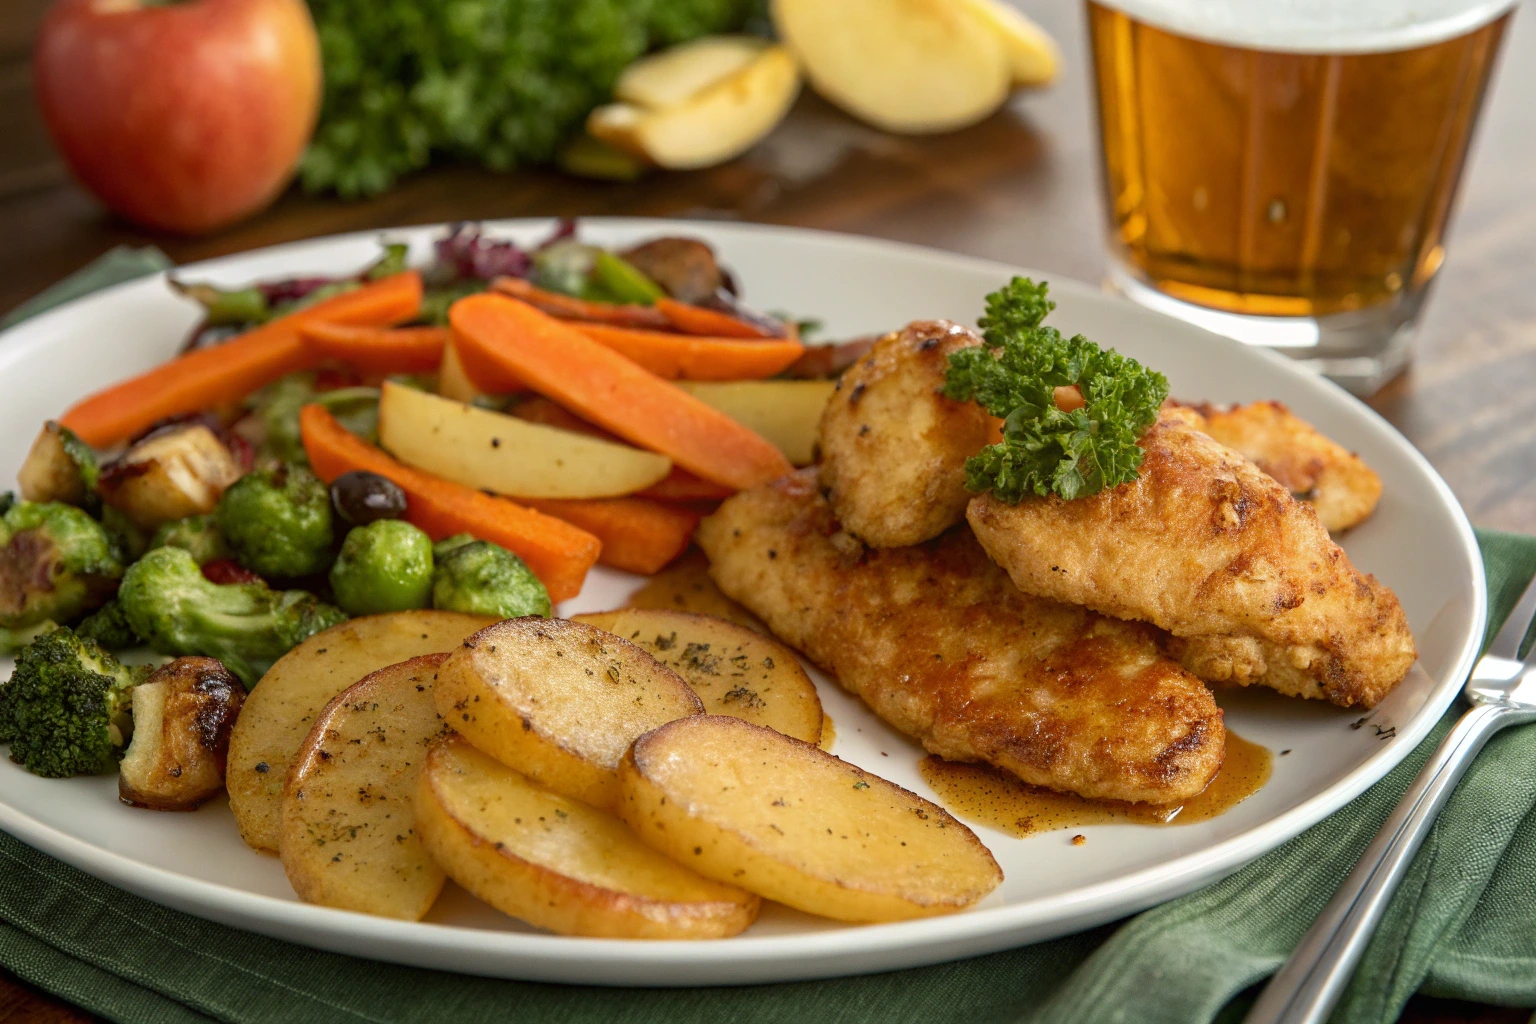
(1033, 56)
(674, 76)
(717, 123)
(907, 66)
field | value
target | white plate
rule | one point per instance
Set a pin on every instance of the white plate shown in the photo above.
(1418, 542)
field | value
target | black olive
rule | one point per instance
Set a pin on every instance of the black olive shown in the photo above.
(360, 497)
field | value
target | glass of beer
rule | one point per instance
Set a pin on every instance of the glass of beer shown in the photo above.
(1283, 171)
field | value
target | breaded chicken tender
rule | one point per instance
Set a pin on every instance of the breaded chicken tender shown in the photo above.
(940, 644)
(1210, 548)
(1316, 469)
(893, 448)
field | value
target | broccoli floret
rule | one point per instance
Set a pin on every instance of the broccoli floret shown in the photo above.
(278, 522)
(198, 534)
(109, 626)
(128, 541)
(482, 578)
(247, 626)
(385, 566)
(56, 562)
(66, 710)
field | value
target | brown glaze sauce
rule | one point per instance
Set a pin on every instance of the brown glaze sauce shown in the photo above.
(986, 796)
(828, 731)
(685, 586)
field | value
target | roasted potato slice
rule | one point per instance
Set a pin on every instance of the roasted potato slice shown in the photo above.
(348, 836)
(559, 701)
(781, 818)
(182, 717)
(282, 707)
(557, 863)
(734, 670)
(180, 472)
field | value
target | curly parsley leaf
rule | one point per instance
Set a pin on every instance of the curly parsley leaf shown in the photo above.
(1015, 374)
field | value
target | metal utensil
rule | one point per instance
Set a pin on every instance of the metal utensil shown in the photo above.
(1502, 692)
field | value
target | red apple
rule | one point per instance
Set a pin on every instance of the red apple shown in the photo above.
(182, 115)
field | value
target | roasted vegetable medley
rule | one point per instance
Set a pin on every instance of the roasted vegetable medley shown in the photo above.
(470, 435)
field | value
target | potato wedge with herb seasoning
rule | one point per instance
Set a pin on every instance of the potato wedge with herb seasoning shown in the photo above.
(786, 412)
(348, 836)
(557, 863)
(505, 455)
(559, 701)
(281, 708)
(734, 670)
(781, 818)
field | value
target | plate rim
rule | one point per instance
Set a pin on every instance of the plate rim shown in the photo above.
(771, 957)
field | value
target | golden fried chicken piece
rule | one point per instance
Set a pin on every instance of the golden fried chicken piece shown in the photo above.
(937, 641)
(1316, 469)
(893, 448)
(1219, 554)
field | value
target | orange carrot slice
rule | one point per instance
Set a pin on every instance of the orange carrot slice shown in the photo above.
(228, 372)
(558, 553)
(701, 320)
(379, 350)
(681, 485)
(638, 535)
(603, 387)
(690, 357)
(568, 307)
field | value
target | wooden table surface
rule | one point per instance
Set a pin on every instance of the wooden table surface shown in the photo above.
(1021, 187)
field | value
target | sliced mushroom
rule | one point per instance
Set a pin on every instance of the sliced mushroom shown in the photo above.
(169, 475)
(182, 717)
(684, 267)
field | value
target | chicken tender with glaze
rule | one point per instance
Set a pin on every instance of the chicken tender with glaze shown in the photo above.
(941, 645)
(893, 448)
(1210, 548)
(1313, 467)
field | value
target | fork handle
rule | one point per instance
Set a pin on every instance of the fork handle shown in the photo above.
(1311, 981)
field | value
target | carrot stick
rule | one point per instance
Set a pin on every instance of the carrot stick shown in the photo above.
(568, 307)
(690, 357)
(701, 320)
(379, 350)
(602, 386)
(679, 485)
(638, 535)
(558, 553)
(228, 372)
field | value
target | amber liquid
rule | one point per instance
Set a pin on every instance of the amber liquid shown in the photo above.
(987, 796)
(1282, 184)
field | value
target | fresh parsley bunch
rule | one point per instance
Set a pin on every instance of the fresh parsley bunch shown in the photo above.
(1015, 376)
(498, 82)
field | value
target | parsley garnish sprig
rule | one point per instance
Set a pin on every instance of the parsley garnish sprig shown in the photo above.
(1015, 376)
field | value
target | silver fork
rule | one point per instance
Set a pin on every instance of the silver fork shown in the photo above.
(1502, 692)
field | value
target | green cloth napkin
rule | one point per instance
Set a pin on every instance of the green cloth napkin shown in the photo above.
(1463, 924)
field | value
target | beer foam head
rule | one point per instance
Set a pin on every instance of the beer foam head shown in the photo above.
(1317, 26)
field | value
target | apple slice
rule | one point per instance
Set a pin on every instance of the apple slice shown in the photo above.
(908, 66)
(722, 121)
(1032, 54)
(672, 77)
